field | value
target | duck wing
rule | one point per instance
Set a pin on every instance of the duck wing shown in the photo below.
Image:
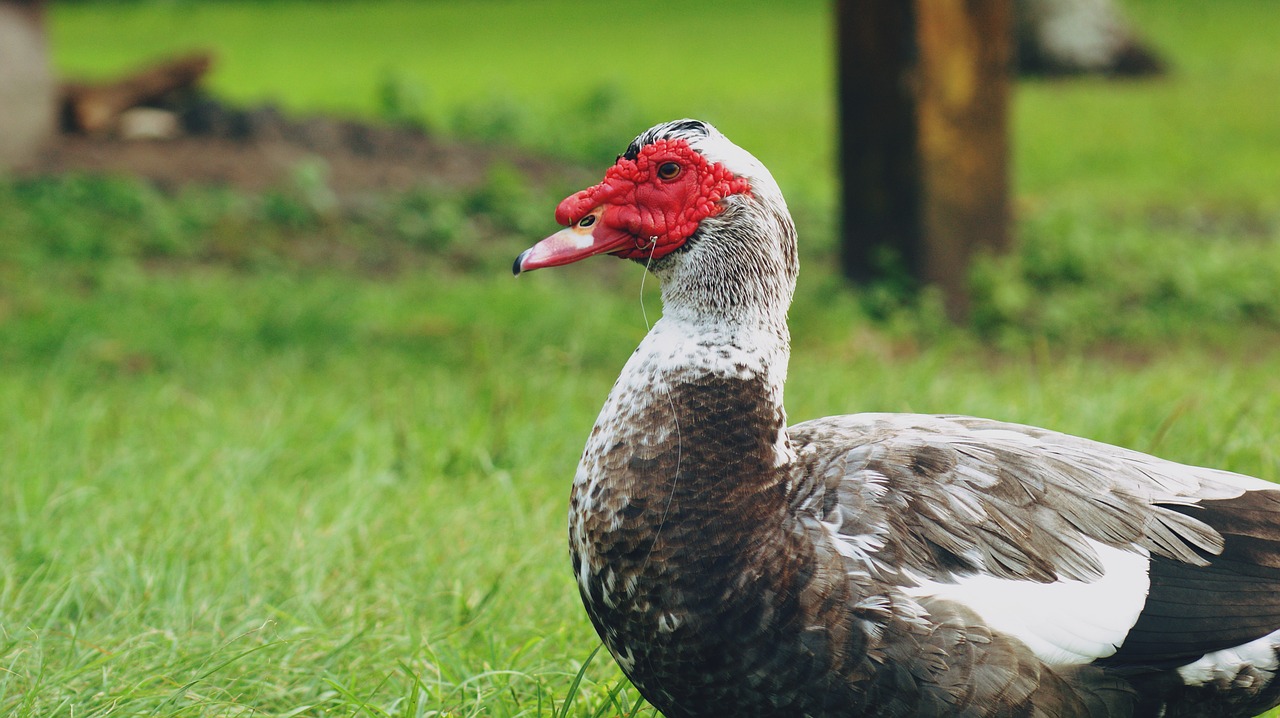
(1083, 550)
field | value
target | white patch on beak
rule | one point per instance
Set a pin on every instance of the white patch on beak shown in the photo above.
(570, 244)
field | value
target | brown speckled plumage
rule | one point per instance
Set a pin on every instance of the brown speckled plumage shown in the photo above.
(890, 565)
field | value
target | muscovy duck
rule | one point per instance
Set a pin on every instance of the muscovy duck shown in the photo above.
(876, 564)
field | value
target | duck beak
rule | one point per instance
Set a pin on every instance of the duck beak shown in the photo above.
(586, 237)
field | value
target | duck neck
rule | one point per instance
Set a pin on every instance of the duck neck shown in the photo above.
(692, 442)
(706, 384)
(694, 428)
(737, 273)
(682, 490)
(718, 386)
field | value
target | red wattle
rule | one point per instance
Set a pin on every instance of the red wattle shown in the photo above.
(659, 214)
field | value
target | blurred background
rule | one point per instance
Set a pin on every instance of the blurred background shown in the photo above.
(280, 435)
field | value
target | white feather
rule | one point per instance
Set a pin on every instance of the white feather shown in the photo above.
(1225, 665)
(1064, 622)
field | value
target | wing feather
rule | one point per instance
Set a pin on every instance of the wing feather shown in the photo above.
(936, 500)
(964, 495)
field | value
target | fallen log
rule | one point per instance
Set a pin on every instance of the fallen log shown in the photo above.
(94, 107)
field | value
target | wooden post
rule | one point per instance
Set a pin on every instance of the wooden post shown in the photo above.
(924, 90)
(27, 91)
(878, 143)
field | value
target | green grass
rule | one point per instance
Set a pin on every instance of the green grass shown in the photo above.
(1205, 136)
(341, 478)
(315, 492)
(258, 458)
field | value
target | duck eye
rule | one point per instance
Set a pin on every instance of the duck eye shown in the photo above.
(668, 171)
(587, 221)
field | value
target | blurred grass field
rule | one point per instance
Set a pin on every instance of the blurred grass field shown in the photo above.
(760, 71)
(233, 483)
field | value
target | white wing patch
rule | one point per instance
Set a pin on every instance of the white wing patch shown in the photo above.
(1225, 665)
(1065, 622)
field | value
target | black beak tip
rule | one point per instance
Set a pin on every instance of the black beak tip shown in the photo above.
(515, 268)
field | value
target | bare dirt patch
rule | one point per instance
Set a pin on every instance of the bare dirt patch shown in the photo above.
(257, 149)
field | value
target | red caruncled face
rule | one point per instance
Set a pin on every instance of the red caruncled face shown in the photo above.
(657, 199)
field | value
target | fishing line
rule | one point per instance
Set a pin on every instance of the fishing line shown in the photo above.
(644, 312)
(675, 416)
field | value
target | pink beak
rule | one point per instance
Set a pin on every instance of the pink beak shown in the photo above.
(587, 237)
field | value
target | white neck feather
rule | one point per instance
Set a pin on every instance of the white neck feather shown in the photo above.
(738, 270)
